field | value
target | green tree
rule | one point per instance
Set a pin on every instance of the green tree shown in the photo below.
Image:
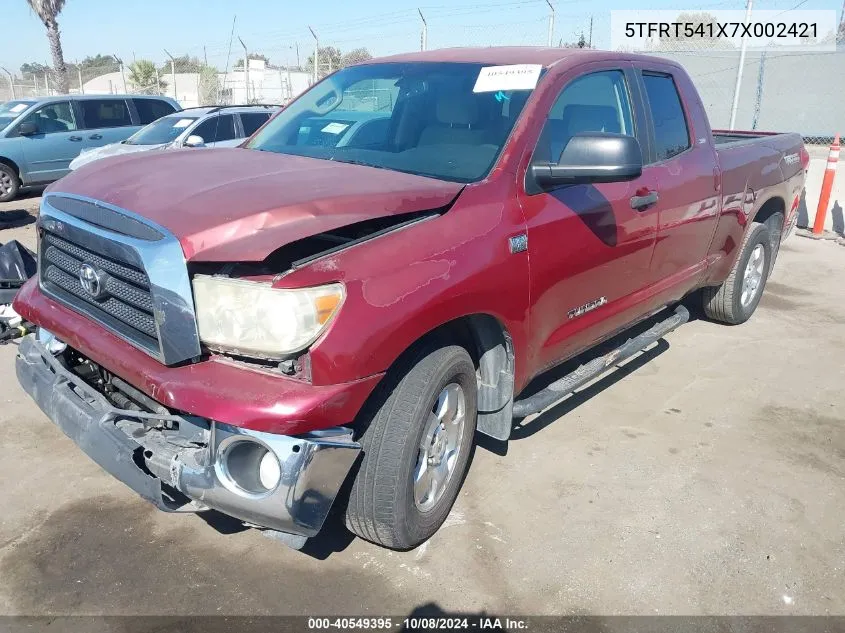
(355, 56)
(48, 12)
(33, 69)
(209, 86)
(142, 76)
(184, 64)
(329, 60)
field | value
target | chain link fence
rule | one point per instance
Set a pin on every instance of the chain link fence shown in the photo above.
(781, 90)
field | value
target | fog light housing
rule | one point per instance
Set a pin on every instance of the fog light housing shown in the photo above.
(248, 467)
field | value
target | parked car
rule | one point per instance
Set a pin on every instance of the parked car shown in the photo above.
(247, 329)
(215, 126)
(40, 137)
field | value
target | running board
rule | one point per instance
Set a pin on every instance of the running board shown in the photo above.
(585, 373)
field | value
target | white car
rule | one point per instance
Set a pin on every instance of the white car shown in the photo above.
(214, 126)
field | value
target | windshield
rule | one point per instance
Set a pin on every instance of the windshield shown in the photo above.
(163, 130)
(11, 110)
(445, 120)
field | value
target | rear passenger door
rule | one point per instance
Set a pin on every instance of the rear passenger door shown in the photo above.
(251, 121)
(149, 110)
(685, 164)
(218, 131)
(105, 121)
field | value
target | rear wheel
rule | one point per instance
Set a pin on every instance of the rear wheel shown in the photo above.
(736, 299)
(416, 449)
(9, 183)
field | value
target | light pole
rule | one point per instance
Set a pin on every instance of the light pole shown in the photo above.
(316, 54)
(246, 68)
(738, 84)
(172, 72)
(11, 81)
(424, 35)
(551, 23)
(122, 73)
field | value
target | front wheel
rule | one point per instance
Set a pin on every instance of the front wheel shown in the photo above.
(736, 299)
(9, 183)
(416, 447)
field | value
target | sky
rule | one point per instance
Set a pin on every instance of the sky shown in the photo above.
(142, 29)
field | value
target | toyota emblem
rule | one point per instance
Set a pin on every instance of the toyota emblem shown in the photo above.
(90, 280)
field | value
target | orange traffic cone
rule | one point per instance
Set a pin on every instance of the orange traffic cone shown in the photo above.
(827, 186)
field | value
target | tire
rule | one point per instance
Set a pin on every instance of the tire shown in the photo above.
(10, 184)
(382, 505)
(774, 224)
(725, 303)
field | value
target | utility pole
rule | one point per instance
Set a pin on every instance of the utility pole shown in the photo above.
(204, 56)
(551, 23)
(172, 72)
(424, 34)
(316, 55)
(246, 68)
(298, 65)
(738, 83)
(122, 73)
(79, 75)
(11, 81)
(590, 41)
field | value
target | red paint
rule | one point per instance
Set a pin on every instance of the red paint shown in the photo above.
(584, 242)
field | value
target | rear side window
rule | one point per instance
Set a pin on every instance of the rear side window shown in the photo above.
(671, 134)
(97, 113)
(215, 129)
(252, 121)
(151, 109)
(597, 102)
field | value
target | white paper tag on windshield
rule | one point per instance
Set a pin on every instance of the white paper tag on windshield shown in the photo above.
(334, 128)
(183, 123)
(19, 107)
(514, 77)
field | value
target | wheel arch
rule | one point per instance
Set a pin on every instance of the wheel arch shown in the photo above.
(490, 345)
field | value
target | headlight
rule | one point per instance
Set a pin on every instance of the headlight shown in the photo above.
(249, 318)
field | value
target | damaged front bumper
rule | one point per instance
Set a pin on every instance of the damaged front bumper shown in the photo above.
(194, 464)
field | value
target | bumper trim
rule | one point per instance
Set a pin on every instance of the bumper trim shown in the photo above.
(313, 466)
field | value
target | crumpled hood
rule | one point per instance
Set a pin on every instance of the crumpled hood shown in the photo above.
(241, 205)
(113, 149)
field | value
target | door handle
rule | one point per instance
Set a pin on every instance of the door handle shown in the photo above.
(74, 138)
(96, 137)
(641, 202)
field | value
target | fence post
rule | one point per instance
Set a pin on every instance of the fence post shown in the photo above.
(11, 81)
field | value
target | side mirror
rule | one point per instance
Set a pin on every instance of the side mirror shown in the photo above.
(27, 128)
(593, 157)
(194, 141)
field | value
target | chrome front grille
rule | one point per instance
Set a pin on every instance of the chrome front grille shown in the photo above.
(125, 296)
(135, 285)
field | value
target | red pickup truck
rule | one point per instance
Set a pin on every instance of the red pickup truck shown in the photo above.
(328, 314)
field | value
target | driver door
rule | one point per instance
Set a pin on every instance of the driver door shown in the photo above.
(590, 244)
(56, 142)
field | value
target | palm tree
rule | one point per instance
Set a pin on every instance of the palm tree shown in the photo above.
(48, 11)
(142, 76)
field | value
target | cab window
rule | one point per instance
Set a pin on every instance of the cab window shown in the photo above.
(597, 102)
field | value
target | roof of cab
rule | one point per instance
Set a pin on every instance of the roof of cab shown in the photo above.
(503, 55)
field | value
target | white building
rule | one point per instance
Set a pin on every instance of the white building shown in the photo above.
(266, 85)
